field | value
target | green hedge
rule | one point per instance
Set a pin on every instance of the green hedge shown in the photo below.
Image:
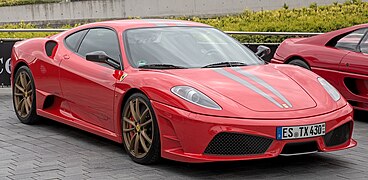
(310, 19)
(23, 25)
(24, 2)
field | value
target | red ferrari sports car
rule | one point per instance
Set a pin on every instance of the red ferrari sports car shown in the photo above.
(178, 90)
(341, 57)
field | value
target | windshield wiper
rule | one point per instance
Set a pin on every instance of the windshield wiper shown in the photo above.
(161, 66)
(225, 64)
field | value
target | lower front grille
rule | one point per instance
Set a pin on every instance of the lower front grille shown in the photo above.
(338, 136)
(299, 148)
(237, 144)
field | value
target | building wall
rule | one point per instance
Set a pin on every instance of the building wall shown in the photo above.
(117, 9)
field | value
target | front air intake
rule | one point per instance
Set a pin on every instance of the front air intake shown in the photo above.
(338, 136)
(237, 144)
(299, 148)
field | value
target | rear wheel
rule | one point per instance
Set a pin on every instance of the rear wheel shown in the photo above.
(24, 96)
(140, 130)
(300, 63)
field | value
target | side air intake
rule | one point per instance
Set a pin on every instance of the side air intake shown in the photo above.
(50, 48)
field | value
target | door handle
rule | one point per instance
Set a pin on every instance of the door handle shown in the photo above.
(347, 64)
(66, 56)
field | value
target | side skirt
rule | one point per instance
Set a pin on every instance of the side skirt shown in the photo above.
(66, 119)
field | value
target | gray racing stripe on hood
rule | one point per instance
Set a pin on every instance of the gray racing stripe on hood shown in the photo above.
(262, 83)
(248, 85)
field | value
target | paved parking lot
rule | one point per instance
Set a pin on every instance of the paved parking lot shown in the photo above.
(50, 150)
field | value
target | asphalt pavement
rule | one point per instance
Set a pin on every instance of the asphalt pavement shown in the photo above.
(51, 150)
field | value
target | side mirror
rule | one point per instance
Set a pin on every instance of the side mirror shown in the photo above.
(102, 57)
(97, 56)
(263, 51)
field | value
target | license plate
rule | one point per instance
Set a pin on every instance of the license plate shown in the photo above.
(297, 132)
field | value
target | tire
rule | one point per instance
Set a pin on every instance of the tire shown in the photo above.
(147, 132)
(300, 63)
(24, 96)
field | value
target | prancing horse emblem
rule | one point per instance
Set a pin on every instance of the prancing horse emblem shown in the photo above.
(123, 76)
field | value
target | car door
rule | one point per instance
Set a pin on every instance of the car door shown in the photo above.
(89, 86)
(357, 60)
(355, 68)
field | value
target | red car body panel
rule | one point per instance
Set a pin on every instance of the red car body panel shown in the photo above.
(341, 67)
(90, 96)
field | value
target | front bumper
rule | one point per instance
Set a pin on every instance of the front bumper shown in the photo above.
(185, 135)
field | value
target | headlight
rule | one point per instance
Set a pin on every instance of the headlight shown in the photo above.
(194, 96)
(330, 89)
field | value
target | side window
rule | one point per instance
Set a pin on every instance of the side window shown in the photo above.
(351, 41)
(101, 39)
(73, 40)
(363, 47)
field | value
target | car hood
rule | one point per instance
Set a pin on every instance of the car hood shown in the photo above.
(272, 91)
(258, 88)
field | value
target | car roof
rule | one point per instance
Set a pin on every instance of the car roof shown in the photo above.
(122, 25)
(323, 39)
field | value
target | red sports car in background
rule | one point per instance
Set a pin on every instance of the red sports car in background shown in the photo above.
(341, 57)
(178, 90)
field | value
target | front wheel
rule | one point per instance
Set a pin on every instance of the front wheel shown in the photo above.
(141, 137)
(24, 96)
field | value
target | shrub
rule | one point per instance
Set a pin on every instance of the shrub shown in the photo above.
(313, 5)
(23, 25)
(311, 19)
(316, 19)
(24, 2)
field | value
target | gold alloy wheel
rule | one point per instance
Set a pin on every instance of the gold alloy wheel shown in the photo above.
(23, 94)
(138, 128)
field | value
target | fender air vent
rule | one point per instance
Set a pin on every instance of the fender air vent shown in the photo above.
(50, 48)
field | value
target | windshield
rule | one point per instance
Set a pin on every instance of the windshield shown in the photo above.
(185, 47)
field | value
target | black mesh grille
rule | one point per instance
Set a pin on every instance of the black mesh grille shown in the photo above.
(237, 144)
(338, 136)
(303, 147)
